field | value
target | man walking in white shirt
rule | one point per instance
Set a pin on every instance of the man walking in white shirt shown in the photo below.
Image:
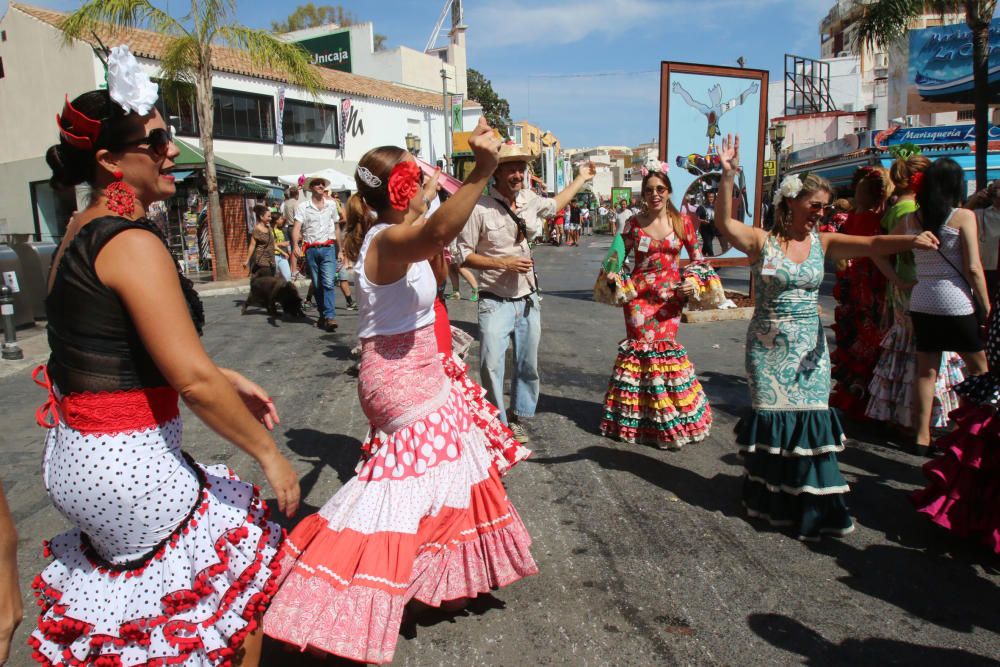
(316, 229)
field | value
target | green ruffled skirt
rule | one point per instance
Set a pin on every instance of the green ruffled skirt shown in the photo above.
(792, 475)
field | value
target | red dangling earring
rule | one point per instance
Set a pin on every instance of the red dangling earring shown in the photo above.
(121, 196)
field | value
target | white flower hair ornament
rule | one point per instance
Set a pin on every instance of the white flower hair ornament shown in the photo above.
(791, 187)
(128, 84)
(368, 178)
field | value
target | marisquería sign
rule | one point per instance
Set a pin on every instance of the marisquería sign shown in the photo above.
(942, 134)
(332, 50)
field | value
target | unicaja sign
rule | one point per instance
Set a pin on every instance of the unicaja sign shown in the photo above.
(332, 50)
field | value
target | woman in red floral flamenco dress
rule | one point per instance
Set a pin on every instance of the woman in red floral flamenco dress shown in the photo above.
(168, 562)
(426, 518)
(654, 396)
(860, 291)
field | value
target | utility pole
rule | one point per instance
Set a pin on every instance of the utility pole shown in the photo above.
(447, 116)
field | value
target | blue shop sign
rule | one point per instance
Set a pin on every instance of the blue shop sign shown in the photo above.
(942, 134)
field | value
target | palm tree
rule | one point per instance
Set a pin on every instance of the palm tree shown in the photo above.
(887, 21)
(187, 59)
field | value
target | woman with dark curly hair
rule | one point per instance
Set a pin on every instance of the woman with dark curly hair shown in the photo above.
(168, 561)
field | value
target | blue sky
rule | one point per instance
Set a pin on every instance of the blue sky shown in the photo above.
(588, 70)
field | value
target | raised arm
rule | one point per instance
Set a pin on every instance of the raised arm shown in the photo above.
(744, 238)
(401, 245)
(157, 306)
(846, 246)
(586, 173)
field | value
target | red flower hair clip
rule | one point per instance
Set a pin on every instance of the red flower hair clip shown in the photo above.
(917, 182)
(404, 182)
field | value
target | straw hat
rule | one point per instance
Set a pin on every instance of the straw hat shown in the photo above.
(318, 179)
(510, 152)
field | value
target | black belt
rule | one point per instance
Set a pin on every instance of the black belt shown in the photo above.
(495, 297)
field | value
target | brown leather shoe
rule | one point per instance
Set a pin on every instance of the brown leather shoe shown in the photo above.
(330, 325)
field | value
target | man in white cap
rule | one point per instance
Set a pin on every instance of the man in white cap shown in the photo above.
(316, 228)
(495, 242)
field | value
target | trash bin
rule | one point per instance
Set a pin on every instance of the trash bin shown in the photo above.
(36, 260)
(13, 276)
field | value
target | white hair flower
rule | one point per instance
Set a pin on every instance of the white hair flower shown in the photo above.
(128, 84)
(790, 188)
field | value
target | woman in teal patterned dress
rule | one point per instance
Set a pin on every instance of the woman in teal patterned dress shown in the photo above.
(791, 438)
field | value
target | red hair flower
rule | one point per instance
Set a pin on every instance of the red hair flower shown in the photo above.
(917, 182)
(404, 182)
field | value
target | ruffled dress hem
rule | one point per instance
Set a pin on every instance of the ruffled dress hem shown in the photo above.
(792, 478)
(211, 578)
(654, 396)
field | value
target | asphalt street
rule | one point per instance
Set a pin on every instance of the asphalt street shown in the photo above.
(646, 557)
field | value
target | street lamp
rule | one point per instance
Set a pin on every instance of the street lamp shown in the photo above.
(776, 135)
(413, 144)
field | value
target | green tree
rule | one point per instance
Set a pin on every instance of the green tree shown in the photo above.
(495, 108)
(311, 16)
(885, 22)
(187, 59)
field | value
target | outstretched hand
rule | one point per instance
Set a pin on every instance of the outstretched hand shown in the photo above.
(729, 153)
(925, 241)
(588, 171)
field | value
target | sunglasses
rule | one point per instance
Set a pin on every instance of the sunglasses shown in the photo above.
(659, 190)
(820, 206)
(158, 140)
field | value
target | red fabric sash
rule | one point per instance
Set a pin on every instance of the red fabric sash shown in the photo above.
(106, 411)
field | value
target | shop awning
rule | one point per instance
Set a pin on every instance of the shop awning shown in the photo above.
(192, 158)
(242, 186)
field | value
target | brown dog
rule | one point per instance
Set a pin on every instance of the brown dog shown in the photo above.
(268, 291)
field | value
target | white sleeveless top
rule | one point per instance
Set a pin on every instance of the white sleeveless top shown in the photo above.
(405, 305)
(940, 289)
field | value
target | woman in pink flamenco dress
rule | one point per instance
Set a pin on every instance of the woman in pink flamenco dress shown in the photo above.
(426, 518)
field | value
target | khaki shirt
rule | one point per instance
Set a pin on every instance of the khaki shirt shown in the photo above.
(988, 220)
(491, 232)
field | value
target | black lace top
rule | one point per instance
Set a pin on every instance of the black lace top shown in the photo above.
(94, 343)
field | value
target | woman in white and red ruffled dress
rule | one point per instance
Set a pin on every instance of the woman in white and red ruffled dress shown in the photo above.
(168, 561)
(426, 518)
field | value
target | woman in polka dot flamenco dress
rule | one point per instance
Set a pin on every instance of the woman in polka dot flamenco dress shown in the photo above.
(167, 562)
(426, 518)
(654, 396)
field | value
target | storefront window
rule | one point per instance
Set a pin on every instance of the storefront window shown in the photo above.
(178, 109)
(310, 124)
(243, 116)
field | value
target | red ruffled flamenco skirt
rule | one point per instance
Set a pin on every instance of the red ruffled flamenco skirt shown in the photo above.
(426, 517)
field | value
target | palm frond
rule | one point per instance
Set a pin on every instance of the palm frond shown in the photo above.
(885, 22)
(117, 16)
(180, 60)
(212, 15)
(265, 50)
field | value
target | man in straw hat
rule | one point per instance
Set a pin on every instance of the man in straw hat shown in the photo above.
(316, 229)
(495, 242)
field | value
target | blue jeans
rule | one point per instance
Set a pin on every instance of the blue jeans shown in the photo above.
(499, 321)
(283, 270)
(322, 263)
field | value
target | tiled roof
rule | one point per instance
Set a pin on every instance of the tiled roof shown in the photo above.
(147, 44)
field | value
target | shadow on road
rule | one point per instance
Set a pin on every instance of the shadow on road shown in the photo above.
(790, 635)
(585, 414)
(323, 451)
(721, 493)
(726, 393)
(575, 294)
(940, 587)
